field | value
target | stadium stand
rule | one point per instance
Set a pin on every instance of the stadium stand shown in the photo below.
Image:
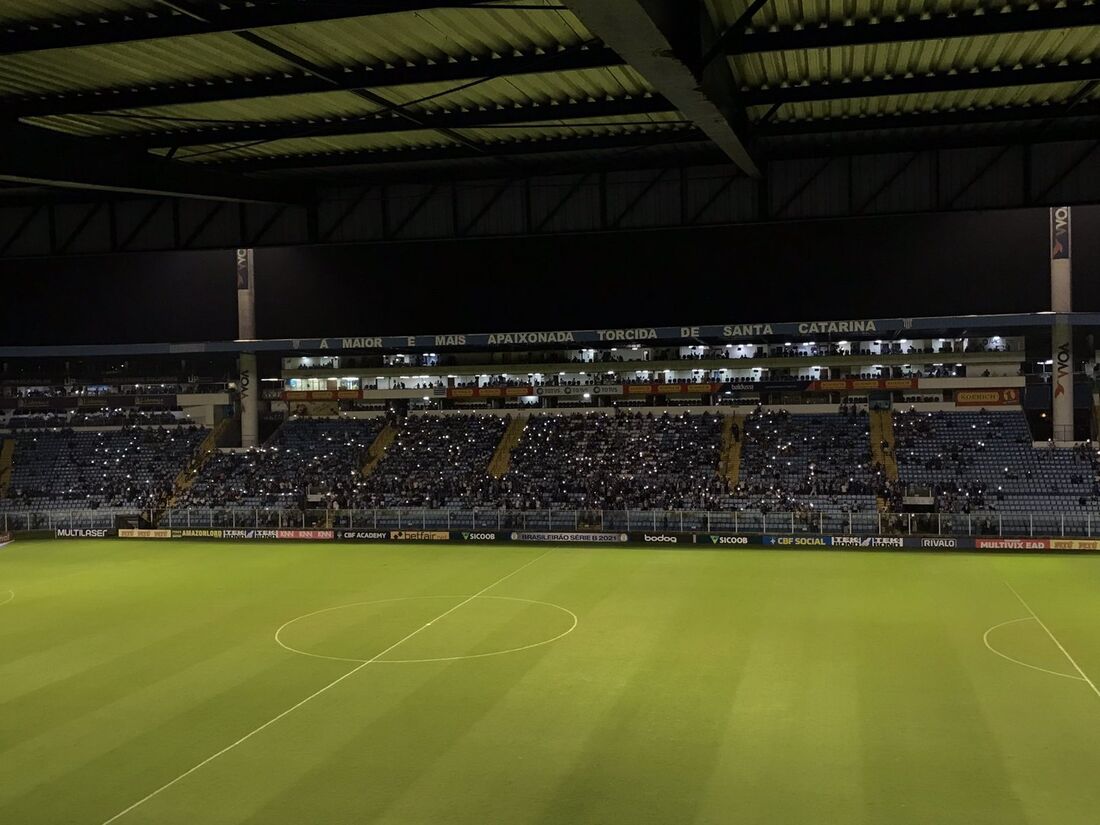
(122, 470)
(435, 461)
(630, 461)
(319, 457)
(986, 461)
(799, 463)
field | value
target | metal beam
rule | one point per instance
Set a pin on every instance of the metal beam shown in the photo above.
(922, 120)
(903, 141)
(47, 158)
(923, 84)
(389, 122)
(297, 81)
(981, 23)
(181, 18)
(636, 138)
(662, 40)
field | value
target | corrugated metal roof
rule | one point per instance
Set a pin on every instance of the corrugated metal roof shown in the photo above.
(23, 10)
(815, 12)
(933, 101)
(916, 58)
(130, 64)
(444, 35)
(500, 92)
(420, 139)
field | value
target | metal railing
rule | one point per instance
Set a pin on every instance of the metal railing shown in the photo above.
(680, 521)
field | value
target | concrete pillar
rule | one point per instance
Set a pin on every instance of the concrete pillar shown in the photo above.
(246, 296)
(248, 388)
(248, 382)
(1061, 301)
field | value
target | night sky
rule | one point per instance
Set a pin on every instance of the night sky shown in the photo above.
(900, 266)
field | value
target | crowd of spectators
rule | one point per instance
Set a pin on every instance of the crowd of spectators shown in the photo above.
(968, 462)
(435, 461)
(308, 462)
(982, 461)
(132, 468)
(629, 461)
(798, 463)
(93, 419)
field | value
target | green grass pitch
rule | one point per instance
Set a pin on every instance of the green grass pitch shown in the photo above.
(142, 682)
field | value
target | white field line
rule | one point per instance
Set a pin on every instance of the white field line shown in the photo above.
(985, 638)
(314, 695)
(10, 593)
(279, 641)
(1054, 639)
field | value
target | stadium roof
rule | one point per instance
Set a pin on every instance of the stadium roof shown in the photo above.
(261, 99)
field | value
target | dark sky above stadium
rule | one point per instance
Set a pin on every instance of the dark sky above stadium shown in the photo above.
(914, 265)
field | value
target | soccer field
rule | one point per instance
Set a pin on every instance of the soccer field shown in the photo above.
(198, 683)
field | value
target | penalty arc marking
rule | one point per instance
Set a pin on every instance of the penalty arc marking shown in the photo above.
(10, 594)
(1081, 675)
(985, 639)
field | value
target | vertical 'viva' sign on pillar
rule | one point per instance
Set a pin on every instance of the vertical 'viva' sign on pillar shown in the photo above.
(248, 382)
(1061, 286)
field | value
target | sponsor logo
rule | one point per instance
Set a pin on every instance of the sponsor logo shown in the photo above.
(867, 541)
(1062, 359)
(799, 541)
(365, 535)
(243, 268)
(479, 536)
(76, 533)
(584, 538)
(986, 398)
(420, 535)
(1074, 544)
(5, 538)
(660, 538)
(145, 534)
(304, 535)
(1059, 233)
(942, 543)
(851, 541)
(740, 540)
(1012, 544)
(195, 533)
(251, 534)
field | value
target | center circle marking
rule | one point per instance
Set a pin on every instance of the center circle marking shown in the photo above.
(299, 651)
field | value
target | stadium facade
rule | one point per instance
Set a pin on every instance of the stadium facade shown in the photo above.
(923, 428)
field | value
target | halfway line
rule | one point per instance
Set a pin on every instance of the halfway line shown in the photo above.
(1065, 652)
(317, 693)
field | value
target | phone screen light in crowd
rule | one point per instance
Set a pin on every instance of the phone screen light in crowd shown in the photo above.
(587, 395)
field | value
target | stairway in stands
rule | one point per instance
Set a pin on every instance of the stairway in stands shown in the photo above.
(502, 458)
(189, 473)
(378, 448)
(882, 430)
(7, 450)
(730, 467)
